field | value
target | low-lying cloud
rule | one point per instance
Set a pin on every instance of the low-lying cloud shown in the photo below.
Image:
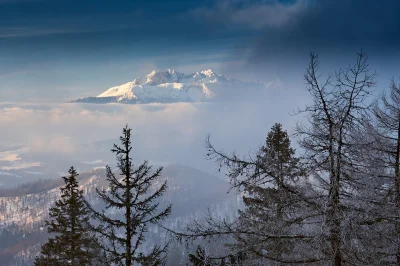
(170, 133)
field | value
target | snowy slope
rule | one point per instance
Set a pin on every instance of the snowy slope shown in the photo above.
(190, 191)
(171, 86)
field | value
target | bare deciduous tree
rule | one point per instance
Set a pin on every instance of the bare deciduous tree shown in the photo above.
(327, 212)
(328, 141)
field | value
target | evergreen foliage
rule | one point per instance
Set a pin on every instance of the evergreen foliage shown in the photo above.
(72, 244)
(132, 193)
(201, 259)
(269, 204)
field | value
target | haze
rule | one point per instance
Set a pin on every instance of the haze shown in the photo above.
(55, 51)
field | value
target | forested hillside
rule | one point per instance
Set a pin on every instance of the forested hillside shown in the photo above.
(22, 217)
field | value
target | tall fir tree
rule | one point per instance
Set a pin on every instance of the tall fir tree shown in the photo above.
(269, 204)
(72, 244)
(272, 210)
(278, 156)
(201, 259)
(132, 193)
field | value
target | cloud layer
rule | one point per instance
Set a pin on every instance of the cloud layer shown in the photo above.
(67, 134)
(256, 15)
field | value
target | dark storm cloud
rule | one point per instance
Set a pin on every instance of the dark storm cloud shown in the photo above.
(283, 33)
(311, 23)
(334, 27)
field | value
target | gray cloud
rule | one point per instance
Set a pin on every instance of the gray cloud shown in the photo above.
(255, 15)
(46, 30)
(279, 35)
(334, 27)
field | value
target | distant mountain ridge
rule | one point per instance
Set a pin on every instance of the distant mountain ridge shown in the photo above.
(171, 86)
(190, 191)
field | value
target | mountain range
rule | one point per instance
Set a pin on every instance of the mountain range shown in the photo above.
(171, 86)
(191, 192)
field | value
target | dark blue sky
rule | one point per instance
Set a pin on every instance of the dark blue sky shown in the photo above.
(55, 50)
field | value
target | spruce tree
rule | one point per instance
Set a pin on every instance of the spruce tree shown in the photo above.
(269, 205)
(201, 258)
(278, 156)
(273, 207)
(132, 193)
(73, 243)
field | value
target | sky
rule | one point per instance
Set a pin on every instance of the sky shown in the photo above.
(53, 51)
(58, 50)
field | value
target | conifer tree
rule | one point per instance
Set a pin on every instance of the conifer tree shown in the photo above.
(201, 258)
(269, 220)
(131, 192)
(73, 244)
(283, 166)
(270, 205)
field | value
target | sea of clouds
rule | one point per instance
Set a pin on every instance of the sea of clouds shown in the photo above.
(46, 139)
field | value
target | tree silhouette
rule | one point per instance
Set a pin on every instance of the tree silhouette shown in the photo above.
(73, 244)
(132, 193)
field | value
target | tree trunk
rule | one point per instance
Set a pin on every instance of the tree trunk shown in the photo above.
(333, 215)
(73, 244)
(128, 211)
(335, 231)
(397, 183)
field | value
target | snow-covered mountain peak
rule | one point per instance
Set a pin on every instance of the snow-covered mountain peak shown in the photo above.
(136, 82)
(209, 73)
(172, 86)
(160, 77)
(171, 71)
(152, 73)
(124, 90)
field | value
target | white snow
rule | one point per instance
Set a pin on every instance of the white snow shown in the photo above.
(31, 209)
(173, 86)
(124, 90)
